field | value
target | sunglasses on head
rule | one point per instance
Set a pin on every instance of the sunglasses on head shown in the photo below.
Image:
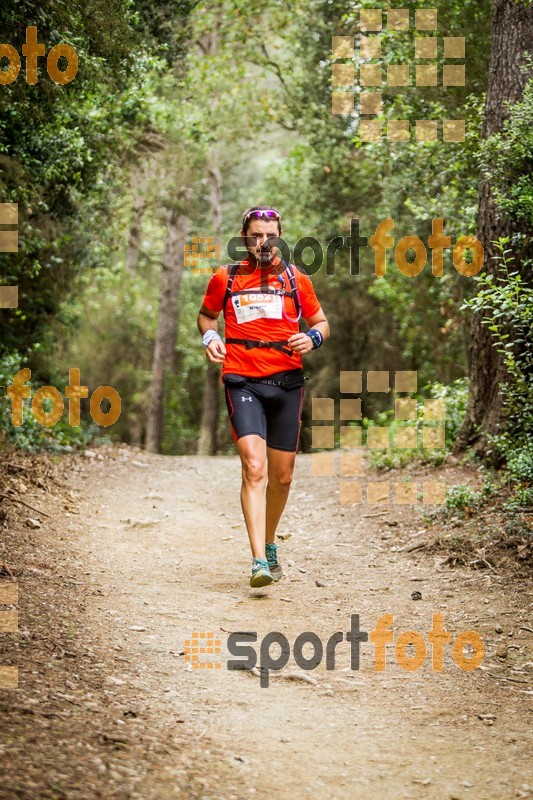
(268, 213)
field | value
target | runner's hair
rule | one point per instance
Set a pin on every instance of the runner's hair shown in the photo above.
(259, 208)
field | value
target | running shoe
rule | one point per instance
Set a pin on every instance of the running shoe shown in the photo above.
(272, 558)
(260, 573)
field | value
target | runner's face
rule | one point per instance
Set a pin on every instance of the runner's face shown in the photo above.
(259, 230)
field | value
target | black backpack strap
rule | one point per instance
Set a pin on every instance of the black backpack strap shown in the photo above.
(232, 271)
(294, 289)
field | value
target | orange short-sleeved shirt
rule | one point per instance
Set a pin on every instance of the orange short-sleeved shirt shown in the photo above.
(259, 316)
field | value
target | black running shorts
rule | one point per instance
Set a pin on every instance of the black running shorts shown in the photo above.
(269, 411)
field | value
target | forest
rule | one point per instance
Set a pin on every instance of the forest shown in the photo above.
(396, 141)
(182, 114)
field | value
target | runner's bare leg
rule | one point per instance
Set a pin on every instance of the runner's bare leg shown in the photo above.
(280, 472)
(253, 452)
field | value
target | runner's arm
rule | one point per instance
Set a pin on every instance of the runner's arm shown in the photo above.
(301, 342)
(207, 321)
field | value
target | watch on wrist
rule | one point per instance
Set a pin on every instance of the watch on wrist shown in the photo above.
(316, 337)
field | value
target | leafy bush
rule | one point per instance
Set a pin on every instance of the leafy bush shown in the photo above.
(462, 498)
(506, 301)
(518, 474)
(506, 160)
(455, 398)
(522, 498)
(520, 462)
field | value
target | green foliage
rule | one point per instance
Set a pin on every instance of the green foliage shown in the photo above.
(455, 399)
(505, 300)
(114, 313)
(395, 322)
(520, 462)
(518, 472)
(395, 458)
(462, 498)
(506, 159)
(185, 384)
(521, 499)
(62, 151)
(166, 24)
(157, 97)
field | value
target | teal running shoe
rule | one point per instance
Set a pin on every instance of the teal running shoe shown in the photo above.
(260, 573)
(272, 558)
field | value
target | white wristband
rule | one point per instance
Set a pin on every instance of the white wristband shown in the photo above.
(209, 336)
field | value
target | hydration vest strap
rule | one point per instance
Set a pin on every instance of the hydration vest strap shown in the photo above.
(250, 343)
(232, 271)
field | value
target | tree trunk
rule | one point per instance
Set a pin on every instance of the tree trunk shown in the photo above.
(167, 326)
(512, 35)
(207, 442)
(135, 233)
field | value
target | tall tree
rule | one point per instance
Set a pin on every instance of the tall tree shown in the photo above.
(165, 343)
(133, 247)
(512, 38)
(207, 441)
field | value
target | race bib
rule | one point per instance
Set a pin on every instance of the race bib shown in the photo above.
(257, 305)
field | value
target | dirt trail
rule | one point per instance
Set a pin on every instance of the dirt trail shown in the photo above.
(168, 546)
(164, 548)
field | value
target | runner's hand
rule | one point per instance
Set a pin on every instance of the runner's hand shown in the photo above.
(300, 342)
(216, 351)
